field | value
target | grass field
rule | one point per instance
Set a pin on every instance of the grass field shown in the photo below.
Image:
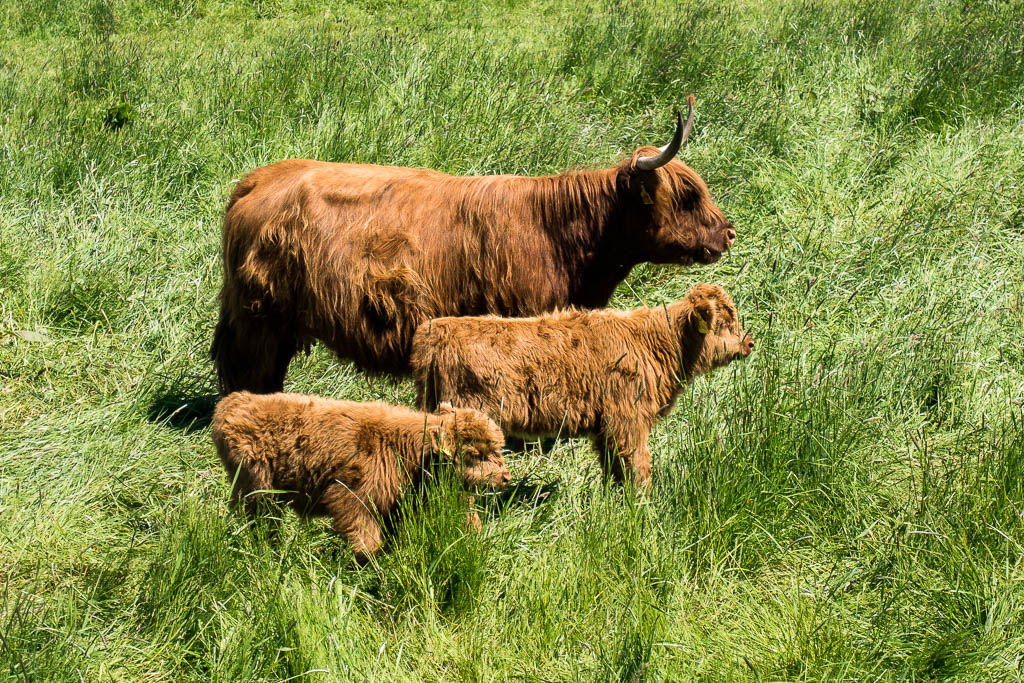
(846, 504)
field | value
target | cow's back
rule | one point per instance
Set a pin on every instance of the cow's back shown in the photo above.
(328, 199)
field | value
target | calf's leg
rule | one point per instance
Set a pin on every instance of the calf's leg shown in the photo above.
(622, 447)
(250, 478)
(355, 520)
(248, 488)
(473, 523)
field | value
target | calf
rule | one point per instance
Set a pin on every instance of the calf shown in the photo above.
(607, 374)
(350, 461)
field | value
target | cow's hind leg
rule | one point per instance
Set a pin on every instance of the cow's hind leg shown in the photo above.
(252, 353)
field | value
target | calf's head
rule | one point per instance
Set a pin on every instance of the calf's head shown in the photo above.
(474, 443)
(674, 219)
(709, 321)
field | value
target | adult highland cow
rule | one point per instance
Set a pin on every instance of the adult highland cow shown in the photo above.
(357, 256)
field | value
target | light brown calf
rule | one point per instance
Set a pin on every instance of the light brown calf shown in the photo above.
(607, 374)
(347, 460)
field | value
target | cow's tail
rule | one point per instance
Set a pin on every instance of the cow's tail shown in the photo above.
(232, 358)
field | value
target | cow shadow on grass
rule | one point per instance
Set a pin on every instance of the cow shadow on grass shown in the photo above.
(528, 492)
(532, 490)
(185, 404)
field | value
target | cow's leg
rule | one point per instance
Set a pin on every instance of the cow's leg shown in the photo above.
(252, 353)
(515, 443)
(608, 456)
(363, 534)
(622, 447)
(426, 391)
(354, 520)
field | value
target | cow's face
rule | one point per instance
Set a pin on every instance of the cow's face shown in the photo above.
(679, 223)
(476, 445)
(674, 219)
(713, 322)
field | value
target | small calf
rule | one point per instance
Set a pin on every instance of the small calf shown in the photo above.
(603, 373)
(347, 460)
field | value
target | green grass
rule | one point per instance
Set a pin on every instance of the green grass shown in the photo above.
(844, 505)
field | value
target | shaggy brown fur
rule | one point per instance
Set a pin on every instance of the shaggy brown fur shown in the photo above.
(607, 374)
(350, 461)
(357, 256)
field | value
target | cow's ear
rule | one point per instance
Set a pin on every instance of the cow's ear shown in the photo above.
(645, 196)
(445, 408)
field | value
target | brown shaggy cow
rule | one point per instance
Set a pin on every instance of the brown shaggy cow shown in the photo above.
(347, 460)
(607, 374)
(357, 256)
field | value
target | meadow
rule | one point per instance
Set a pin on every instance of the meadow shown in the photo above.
(846, 504)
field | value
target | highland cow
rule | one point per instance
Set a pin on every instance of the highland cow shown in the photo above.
(347, 460)
(357, 256)
(606, 374)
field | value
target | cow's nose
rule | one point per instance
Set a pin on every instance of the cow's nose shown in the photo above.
(730, 235)
(506, 477)
(748, 346)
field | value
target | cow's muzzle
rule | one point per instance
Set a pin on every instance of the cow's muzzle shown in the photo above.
(723, 236)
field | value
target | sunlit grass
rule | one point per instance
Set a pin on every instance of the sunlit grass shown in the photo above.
(845, 504)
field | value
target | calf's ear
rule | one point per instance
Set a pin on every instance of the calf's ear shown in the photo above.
(441, 442)
(702, 316)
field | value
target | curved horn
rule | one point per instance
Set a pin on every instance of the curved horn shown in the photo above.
(667, 152)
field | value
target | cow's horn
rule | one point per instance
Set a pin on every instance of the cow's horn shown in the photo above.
(666, 153)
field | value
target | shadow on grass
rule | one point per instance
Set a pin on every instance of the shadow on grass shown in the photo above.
(187, 407)
(520, 445)
(524, 493)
